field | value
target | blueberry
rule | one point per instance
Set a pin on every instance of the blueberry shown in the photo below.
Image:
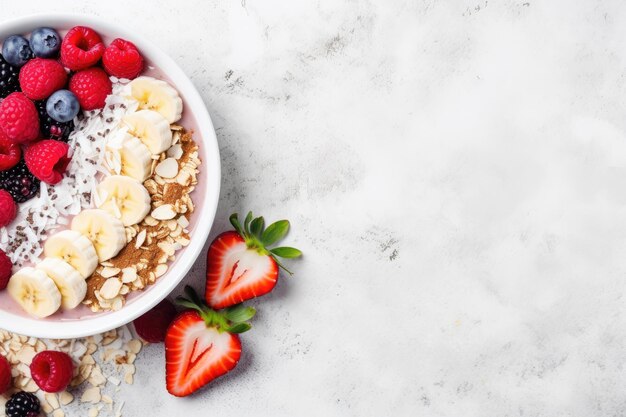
(62, 106)
(16, 50)
(45, 42)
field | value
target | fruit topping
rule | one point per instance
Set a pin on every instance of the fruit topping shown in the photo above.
(5, 374)
(47, 160)
(157, 95)
(8, 208)
(91, 87)
(9, 78)
(22, 404)
(35, 292)
(6, 270)
(240, 265)
(16, 50)
(41, 77)
(68, 280)
(9, 152)
(151, 128)
(105, 231)
(45, 42)
(125, 198)
(19, 182)
(18, 118)
(51, 370)
(49, 127)
(81, 48)
(153, 325)
(73, 248)
(122, 59)
(62, 106)
(202, 344)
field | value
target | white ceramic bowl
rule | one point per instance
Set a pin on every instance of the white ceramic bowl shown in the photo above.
(207, 190)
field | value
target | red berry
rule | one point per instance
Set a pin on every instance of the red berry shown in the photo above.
(19, 118)
(47, 160)
(9, 152)
(41, 77)
(51, 370)
(8, 209)
(153, 325)
(122, 59)
(81, 48)
(91, 87)
(5, 374)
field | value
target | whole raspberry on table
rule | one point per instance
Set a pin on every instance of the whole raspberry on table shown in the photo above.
(18, 118)
(81, 48)
(91, 87)
(19, 182)
(22, 404)
(153, 325)
(9, 81)
(49, 127)
(52, 371)
(10, 152)
(5, 374)
(47, 160)
(8, 208)
(6, 270)
(41, 77)
(122, 59)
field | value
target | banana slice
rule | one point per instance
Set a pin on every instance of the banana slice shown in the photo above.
(73, 248)
(125, 198)
(136, 159)
(70, 283)
(105, 231)
(157, 95)
(35, 292)
(151, 129)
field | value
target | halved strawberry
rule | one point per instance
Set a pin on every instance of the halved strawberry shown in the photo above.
(239, 264)
(202, 344)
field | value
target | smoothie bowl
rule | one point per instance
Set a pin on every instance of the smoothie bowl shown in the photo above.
(109, 176)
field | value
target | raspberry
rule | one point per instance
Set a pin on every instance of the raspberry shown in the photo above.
(153, 325)
(6, 270)
(41, 77)
(47, 160)
(8, 208)
(122, 59)
(51, 370)
(9, 152)
(91, 87)
(22, 404)
(81, 48)
(5, 374)
(18, 118)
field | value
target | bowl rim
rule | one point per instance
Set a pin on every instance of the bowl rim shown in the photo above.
(75, 328)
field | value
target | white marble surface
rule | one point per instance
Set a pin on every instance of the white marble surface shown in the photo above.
(454, 172)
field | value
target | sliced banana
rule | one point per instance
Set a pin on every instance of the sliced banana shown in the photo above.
(105, 231)
(70, 283)
(73, 248)
(35, 292)
(135, 159)
(157, 95)
(124, 197)
(150, 128)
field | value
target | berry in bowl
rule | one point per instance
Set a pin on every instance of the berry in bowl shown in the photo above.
(109, 176)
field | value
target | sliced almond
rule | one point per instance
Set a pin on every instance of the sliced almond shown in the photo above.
(111, 289)
(175, 151)
(167, 168)
(91, 395)
(129, 274)
(108, 272)
(53, 400)
(65, 398)
(164, 212)
(160, 270)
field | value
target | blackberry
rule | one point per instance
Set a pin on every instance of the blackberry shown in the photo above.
(22, 404)
(50, 128)
(9, 78)
(19, 182)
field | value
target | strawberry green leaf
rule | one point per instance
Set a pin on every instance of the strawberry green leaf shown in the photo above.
(256, 227)
(239, 328)
(234, 220)
(275, 232)
(240, 313)
(286, 252)
(246, 223)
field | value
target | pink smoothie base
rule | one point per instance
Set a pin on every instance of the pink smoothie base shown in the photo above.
(188, 121)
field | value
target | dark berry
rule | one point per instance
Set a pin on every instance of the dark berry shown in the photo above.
(16, 50)
(62, 106)
(19, 182)
(9, 78)
(50, 128)
(22, 404)
(45, 42)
